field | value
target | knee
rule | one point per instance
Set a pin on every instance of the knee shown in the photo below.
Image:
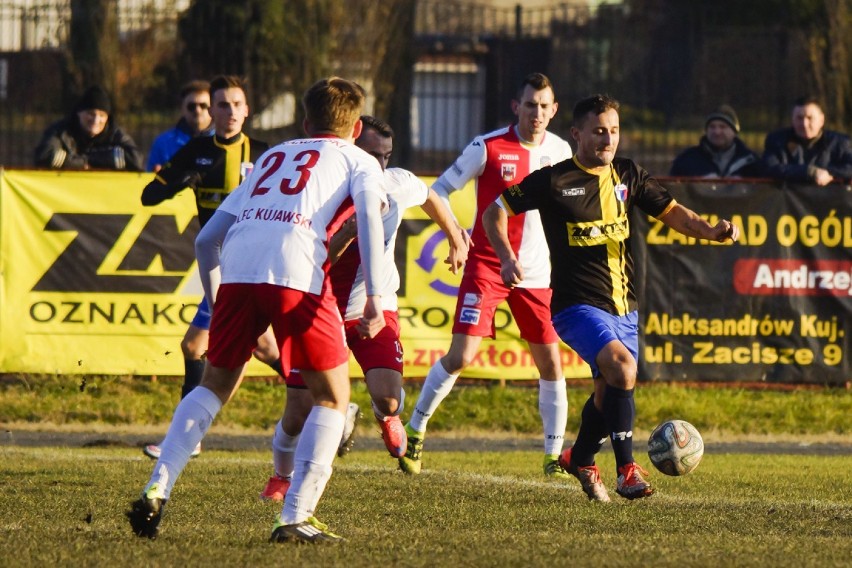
(620, 373)
(193, 349)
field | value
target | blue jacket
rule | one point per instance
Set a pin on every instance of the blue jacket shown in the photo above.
(169, 142)
(698, 161)
(789, 158)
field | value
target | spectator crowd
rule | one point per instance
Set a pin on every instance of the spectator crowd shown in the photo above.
(803, 152)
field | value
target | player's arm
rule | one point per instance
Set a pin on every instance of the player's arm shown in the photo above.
(441, 214)
(208, 245)
(368, 208)
(495, 222)
(689, 223)
(341, 240)
(171, 179)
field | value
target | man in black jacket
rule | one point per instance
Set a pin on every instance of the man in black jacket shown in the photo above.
(806, 152)
(720, 153)
(88, 139)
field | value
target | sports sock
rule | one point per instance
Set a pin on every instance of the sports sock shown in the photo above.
(553, 407)
(283, 451)
(191, 420)
(591, 436)
(619, 411)
(436, 387)
(315, 452)
(193, 369)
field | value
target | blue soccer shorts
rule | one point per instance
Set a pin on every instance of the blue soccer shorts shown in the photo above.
(587, 330)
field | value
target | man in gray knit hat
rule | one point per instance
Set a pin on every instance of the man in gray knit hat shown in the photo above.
(720, 153)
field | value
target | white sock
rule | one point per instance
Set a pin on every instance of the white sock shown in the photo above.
(437, 386)
(381, 415)
(553, 407)
(283, 451)
(315, 452)
(190, 422)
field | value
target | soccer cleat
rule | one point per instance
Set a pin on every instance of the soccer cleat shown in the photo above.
(353, 413)
(145, 513)
(153, 451)
(552, 468)
(394, 435)
(631, 484)
(310, 531)
(410, 463)
(589, 476)
(276, 488)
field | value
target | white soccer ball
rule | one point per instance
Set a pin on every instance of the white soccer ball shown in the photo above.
(675, 447)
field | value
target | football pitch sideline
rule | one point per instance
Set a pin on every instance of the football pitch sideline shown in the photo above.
(65, 507)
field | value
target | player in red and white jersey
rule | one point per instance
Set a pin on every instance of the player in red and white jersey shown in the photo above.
(273, 263)
(496, 161)
(380, 357)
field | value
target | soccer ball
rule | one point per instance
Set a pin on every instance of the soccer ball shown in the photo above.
(675, 447)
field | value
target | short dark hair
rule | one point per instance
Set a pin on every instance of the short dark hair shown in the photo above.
(226, 82)
(537, 81)
(808, 100)
(377, 124)
(597, 104)
(196, 86)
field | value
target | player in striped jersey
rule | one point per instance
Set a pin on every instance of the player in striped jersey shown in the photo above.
(585, 206)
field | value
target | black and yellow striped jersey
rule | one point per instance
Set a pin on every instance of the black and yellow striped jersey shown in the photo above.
(585, 216)
(221, 165)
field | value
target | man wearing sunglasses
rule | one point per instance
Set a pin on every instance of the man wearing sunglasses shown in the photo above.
(194, 121)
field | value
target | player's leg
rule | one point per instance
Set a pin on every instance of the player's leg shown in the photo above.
(287, 431)
(530, 307)
(587, 330)
(190, 422)
(381, 359)
(267, 351)
(194, 347)
(618, 362)
(312, 327)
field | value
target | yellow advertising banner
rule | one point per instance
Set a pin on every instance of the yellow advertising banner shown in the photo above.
(92, 282)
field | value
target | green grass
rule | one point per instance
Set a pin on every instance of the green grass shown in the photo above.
(725, 411)
(65, 507)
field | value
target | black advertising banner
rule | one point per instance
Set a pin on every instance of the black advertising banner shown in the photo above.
(775, 307)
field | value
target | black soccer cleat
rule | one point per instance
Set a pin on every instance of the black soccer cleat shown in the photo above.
(311, 531)
(144, 516)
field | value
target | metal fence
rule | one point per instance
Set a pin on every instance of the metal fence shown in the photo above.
(469, 59)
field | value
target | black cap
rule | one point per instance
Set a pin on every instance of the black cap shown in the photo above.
(94, 98)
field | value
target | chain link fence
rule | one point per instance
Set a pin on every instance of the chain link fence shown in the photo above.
(466, 61)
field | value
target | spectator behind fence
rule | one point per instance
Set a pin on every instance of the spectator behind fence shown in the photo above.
(88, 139)
(720, 153)
(194, 121)
(806, 152)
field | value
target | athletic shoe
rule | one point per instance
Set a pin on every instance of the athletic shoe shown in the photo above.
(589, 476)
(394, 435)
(310, 531)
(410, 463)
(153, 451)
(145, 513)
(353, 413)
(553, 469)
(276, 488)
(631, 484)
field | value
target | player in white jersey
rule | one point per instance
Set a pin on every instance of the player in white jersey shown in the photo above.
(496, 161)
(380, 357)
(273, 264)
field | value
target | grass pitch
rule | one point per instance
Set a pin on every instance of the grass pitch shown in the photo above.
(65, 507)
